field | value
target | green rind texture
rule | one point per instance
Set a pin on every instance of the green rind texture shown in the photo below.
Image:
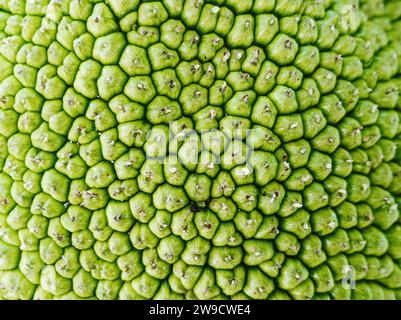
(106, 194)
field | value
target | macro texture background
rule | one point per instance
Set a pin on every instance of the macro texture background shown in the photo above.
(200, 149)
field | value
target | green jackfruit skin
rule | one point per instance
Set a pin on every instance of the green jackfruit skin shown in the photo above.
(88, 89)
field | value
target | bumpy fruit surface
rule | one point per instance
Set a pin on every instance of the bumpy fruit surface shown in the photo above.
(200, 149)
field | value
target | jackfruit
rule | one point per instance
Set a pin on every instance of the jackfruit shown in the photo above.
(200, 149)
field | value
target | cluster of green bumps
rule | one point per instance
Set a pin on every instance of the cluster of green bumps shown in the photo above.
(89, 91)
